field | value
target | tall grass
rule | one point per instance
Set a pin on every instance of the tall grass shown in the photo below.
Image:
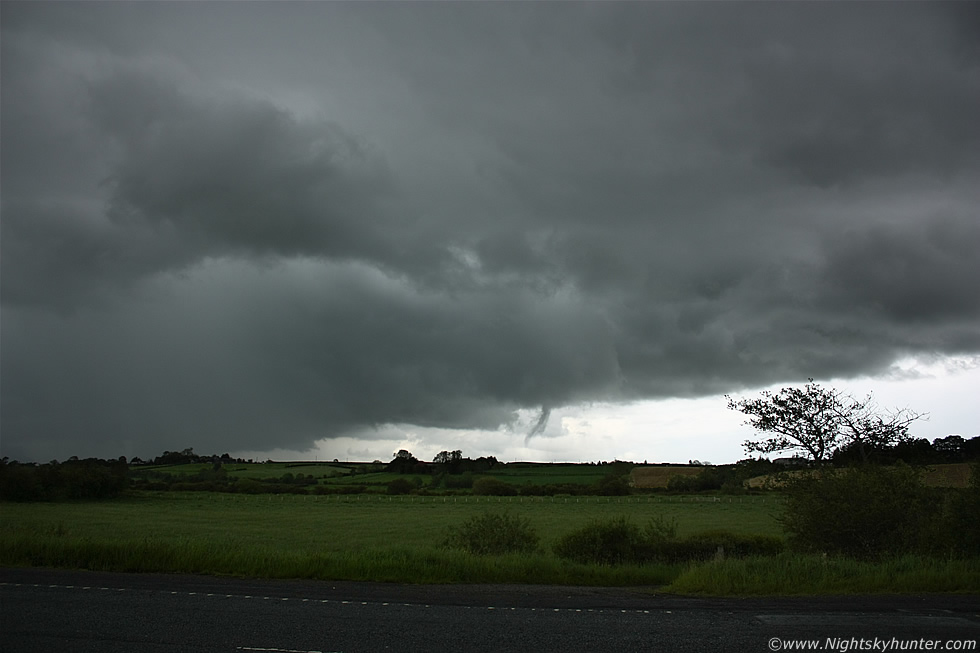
(788, 574)
(395, 564)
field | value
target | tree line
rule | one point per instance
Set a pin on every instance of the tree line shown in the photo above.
(91, 478)
(445, 462)
(187, 457)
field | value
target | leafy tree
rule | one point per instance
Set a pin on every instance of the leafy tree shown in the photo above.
(450, 461)
(950, 448)
(403, 463)
(448, 457)
(817, 421)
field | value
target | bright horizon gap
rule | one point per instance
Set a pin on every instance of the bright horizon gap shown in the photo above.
(704, 426)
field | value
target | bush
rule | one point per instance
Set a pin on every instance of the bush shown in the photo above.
(401, 486)
(683, 484)
(487, 486)
(492, 534)
(710, 478)
(660, 529)
(962, 523)
(616, 541)
(707, 545)
(554, 490)
(614, 485)
(864, 512)
(459, 482)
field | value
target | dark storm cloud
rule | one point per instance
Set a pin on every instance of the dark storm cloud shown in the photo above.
(250, 226)
(913, 274)
(309, 351)
(238, 174)
(185, 177)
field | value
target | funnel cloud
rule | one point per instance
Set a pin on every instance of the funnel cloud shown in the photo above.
(540, 425)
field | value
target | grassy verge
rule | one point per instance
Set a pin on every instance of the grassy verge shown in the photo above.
(790, 574)
(393, 564)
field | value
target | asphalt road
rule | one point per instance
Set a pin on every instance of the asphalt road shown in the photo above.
(52, 610)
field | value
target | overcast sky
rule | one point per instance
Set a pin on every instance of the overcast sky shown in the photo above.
(530, 230)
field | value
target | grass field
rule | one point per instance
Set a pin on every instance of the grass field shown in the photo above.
(398, 539)
(361, 537)
(340, 523)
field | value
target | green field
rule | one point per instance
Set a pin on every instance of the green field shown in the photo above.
(341, 523)
(360, 537)
(398, 539)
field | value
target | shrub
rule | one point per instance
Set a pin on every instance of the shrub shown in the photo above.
(493, 533)
(864, 512)
(661, 529)
(487, 486)
(618, 541)
(554, 490)
(459, 482)
(401, 486)
(713, 477)
(962, 522)
(614, 485)
(615, 541)
(707, 545)
(683, 484)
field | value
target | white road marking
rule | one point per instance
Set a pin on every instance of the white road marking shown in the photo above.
(277, 650)
(322, 601)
